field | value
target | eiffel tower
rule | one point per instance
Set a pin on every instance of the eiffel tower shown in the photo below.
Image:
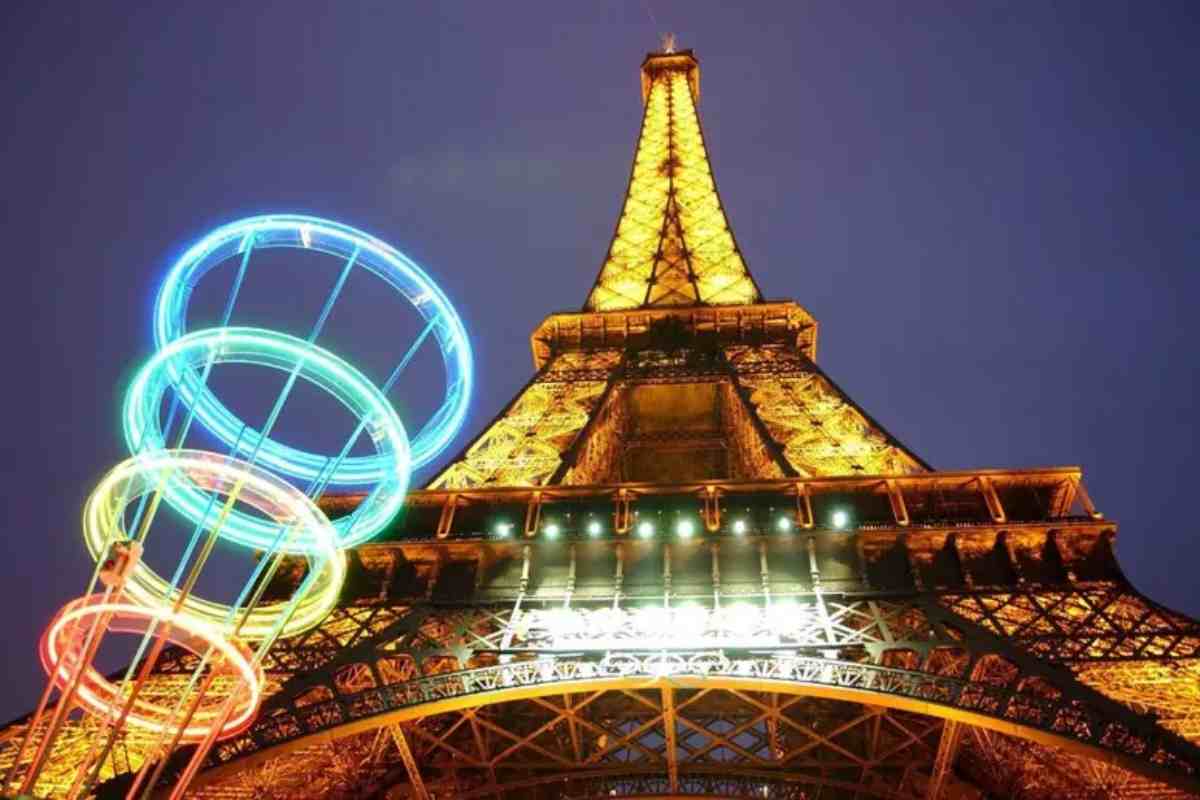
(682, 563)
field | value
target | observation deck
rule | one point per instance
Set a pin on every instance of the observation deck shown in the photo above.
(712, 539)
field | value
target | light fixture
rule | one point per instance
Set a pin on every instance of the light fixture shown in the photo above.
(551, 529)
(645, 529)
(685, 528)
(503, 529)
(840, 518)
(594, 528)
(784, 524)
(739, 526)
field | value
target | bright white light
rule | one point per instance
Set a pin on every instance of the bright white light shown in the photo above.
(685, 528)
(503, 529)
(594, 528)
(688, 625)
(785, 615)
(840, 519)
(784, 524)
(690, 620)
(739, 526)
(741, 617)
(562, 622)
(645, 529)
(551, 530)
(306, 236)
(607, 620)
(653, 621)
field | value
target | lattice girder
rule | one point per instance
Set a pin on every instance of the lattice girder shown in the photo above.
(673, 245)
(820, 429)
(914, 656)
(1116, 641)
(524, 446)
(785, 418)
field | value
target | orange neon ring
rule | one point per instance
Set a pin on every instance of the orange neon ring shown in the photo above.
(61, 650)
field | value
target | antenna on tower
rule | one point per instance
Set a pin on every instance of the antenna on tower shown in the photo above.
(668, 43)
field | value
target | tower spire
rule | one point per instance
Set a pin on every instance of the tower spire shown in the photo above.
(673, 245)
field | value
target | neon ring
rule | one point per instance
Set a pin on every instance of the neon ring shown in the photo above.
(311, 233)
(306, 531)
(61, 649)
(274, 515)
(389, 469)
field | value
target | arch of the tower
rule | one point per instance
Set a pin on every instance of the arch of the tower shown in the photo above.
(647, 726)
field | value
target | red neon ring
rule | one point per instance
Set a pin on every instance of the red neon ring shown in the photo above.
(61, 649)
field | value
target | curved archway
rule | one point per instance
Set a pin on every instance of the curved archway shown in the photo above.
(1031, 713)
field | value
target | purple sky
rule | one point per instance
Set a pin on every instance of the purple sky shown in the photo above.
(991, 208)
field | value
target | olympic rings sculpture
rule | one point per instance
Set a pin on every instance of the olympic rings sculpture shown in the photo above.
(275, 518)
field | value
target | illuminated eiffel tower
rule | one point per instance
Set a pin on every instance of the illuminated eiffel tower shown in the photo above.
(683, 563)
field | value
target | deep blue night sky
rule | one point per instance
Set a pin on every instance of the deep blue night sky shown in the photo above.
(990, 207)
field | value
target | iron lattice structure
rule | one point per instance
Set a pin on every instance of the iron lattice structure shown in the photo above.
(683, 563)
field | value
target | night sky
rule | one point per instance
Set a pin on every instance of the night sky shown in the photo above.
(991, 209)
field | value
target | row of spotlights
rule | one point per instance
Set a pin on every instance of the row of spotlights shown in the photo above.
(685, 528)
(551, 529)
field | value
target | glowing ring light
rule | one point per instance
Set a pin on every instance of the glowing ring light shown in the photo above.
(311, 233)
(61, 648)
(388, 469)
(275, 517)
(307, 532)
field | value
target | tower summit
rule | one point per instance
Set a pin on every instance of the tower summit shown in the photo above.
(673, 245)
(681, 562)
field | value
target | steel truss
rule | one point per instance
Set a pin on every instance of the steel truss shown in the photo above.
(1027, 704)
(908, 659)
(784, 404)
(524, 749)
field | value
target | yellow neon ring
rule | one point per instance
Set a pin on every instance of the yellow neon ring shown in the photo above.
(104, 518)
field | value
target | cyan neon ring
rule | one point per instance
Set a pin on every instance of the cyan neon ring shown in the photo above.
(388, 470)
(311, 233)
(306, 531)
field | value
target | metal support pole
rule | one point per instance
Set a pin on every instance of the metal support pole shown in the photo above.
(410, 763)
(944, 759)
(668, 701)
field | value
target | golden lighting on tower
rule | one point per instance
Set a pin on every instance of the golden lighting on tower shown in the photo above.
(673, 245)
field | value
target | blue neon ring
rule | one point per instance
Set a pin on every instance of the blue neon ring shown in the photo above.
(388, 469)
(333, 238)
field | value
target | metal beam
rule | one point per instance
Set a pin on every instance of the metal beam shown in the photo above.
(947, 751)
(410, 763)
(573, 728)
(668, 707)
